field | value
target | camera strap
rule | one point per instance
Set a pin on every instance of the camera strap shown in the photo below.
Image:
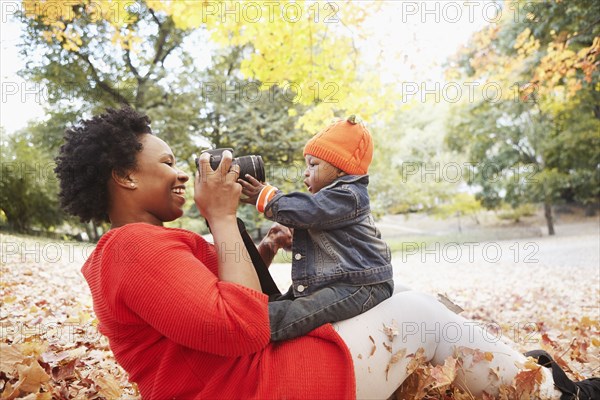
(268, 285)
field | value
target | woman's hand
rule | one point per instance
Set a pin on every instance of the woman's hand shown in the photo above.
(251, 189)
(278, 237)
(217, 193)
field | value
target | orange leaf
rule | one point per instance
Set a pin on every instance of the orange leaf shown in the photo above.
(418, 359)
(526, 382)
(444, 375)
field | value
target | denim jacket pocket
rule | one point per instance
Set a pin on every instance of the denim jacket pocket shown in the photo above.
(327, 260)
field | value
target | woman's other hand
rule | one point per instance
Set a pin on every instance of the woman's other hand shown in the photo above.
(217, 195)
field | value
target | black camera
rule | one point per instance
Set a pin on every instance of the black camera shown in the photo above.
(249, 165)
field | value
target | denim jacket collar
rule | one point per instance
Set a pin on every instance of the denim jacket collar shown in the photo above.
(363, 179)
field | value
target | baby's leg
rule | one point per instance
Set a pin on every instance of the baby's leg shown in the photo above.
(290, 318)
(422, 322)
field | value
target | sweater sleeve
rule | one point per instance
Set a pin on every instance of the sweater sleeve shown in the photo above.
(328, 209)
(164, 283)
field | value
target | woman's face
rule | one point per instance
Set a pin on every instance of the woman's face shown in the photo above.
(159, 184)
(319, 173)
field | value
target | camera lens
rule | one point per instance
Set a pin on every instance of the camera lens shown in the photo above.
(251, 165)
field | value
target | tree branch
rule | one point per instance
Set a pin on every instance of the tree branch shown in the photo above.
(96, 78)
(103, 85)
(131, 67)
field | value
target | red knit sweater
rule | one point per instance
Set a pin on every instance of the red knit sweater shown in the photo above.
(181, 333)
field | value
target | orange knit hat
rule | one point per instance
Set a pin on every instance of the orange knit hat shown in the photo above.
(345, 144)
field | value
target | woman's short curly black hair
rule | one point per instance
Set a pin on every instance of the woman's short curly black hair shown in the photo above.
(92, 150)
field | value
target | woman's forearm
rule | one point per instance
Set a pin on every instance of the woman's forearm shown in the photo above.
(235, 264)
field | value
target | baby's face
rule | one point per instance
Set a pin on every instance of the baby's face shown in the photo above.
(319, 173)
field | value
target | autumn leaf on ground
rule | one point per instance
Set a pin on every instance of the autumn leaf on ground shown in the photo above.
(549, 342)
(390, 331)
(374, 347)
(31, 377)
(476, 354)
(108, 387)
(450, 305)
(417, 360)
(444, 375)
(397, 356)
(11, 356)
(527, 381)
(387, 346)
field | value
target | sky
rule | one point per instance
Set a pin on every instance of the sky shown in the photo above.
(410, 39)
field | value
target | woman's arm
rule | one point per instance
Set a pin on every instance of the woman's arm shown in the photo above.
(217, 195)
(161, 277)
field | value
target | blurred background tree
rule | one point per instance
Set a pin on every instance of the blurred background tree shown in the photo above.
(535, 136)
(262, 88)
(264, 83)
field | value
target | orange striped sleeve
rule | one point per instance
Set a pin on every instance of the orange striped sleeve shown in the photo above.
(266, 194)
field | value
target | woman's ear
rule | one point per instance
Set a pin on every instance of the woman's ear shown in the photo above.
(341, 173)
(124, 179)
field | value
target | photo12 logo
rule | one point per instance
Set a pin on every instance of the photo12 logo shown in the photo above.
(467, 11)
(209, 11)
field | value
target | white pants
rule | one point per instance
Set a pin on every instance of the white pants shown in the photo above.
(423, 322)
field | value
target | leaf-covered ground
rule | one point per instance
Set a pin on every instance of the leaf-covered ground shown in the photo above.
(538, 293)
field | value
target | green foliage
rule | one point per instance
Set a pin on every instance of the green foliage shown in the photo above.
(460, 204)
(28, 187)
(413, 169)
(516, 213)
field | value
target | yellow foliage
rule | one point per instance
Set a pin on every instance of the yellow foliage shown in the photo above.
(305, 47)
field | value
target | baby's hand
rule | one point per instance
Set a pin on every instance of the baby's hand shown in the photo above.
(280, 237)
(251, 188)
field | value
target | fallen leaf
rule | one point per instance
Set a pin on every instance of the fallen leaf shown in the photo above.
(526, 382)
(109, 387)
(31, 377)
(450, 305)
(387, 346)
(588, 322)
(390, 331)
(374, 347)
(397, 356)
(444, 375)
(64, 372)
(418, 359)
(10, 356)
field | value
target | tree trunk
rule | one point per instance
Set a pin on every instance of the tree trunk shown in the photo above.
(548, 215)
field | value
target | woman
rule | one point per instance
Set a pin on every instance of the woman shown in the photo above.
(187, 319)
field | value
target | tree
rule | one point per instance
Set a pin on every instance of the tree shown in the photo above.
(307, 47)
(543, 66)
(90, 55)
(28, 187)
(412, 169)
(93, 55)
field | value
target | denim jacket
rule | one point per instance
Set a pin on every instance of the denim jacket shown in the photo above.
(335, 237)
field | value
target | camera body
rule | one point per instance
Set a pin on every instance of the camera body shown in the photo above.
(252, 165)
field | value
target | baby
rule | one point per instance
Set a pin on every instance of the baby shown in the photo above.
(340, 265)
